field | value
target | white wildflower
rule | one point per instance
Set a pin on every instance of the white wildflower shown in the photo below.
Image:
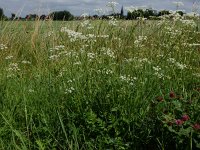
(9, 57)
(128, 79)
(181, 66)
(91, 56)
(77, 63)
(13, 67)
(87, 24)
(69, 90)
(197, 74)
(26, 62)
(190, 23)
(3, 47)
(157, 68)
(31, 91)
(53, 57)
(194, 44)
(171, 60)
(139, 41)
(102, 36)
(159, 75)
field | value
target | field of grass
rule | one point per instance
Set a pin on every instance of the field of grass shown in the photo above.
(100, 85)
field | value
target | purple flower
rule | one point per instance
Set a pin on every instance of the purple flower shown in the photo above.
(185, 118)
(179, 122)
(196, 126)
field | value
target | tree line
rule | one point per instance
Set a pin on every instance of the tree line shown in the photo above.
(56, 15)
(149, 13)
(66, 15)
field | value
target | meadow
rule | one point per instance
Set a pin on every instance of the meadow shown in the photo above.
(100, 84)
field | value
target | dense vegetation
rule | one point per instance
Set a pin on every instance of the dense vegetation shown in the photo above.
(100, 85)
(61, 15)
(67, 16)
(1, 13)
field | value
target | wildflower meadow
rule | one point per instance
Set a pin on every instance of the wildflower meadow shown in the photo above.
(100, 84)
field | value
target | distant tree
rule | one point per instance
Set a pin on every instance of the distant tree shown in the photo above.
(43, 17)
(13, 16)
(135, 14)
(1, 14)
(163, 12)
(148, 13)
(180, 12)
(95, 16)
(32, 17)
(129, 15)
(61, 15)
(104, 17)
(27, 17)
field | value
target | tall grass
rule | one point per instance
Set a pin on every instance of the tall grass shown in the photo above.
(107, 88)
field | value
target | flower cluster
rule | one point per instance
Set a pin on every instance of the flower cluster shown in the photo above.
(158, 72)
(26, 62)
(12, 69)
(73, 35)
(69, 90)
(112, 21)
(108, 52)
(140, 40)
(56, 52)
(128, 79)
(87, 24)
(3, 47)
(177, 64)
(189, 23)
(9, 57)
(182, 120)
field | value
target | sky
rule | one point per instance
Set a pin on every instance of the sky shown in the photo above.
(78, 7)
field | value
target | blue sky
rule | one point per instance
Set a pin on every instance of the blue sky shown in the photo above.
(78, 7)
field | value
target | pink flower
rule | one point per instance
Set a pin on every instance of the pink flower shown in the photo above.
(185, 118)
(196, 126)
(179, 122)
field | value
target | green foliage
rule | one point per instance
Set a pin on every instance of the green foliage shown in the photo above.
(163, 12)
(61, 15)
(1, 14)
(148, 13)
(99, 85)
(177, 117)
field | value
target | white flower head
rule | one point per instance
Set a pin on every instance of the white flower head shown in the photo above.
(3, 47)
(9, 57)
